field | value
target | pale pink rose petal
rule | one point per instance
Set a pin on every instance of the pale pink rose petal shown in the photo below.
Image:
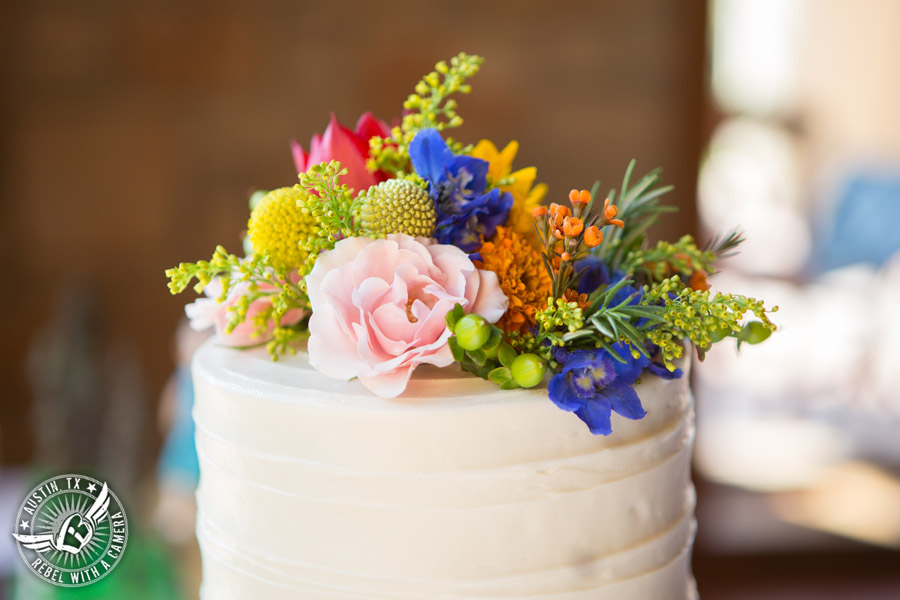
(388, 385)
(202, 313)
(332, 354)
(490, 302)
(386, 301)
(393, 319)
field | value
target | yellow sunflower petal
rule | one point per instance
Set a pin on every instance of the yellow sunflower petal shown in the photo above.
(507, 156)
(486, 150)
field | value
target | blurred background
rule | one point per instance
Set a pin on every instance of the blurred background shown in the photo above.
(134, 133)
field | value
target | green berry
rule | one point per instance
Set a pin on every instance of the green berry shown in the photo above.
(528, 370)
(472, 332)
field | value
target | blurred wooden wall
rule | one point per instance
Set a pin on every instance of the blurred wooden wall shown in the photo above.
(133, 131)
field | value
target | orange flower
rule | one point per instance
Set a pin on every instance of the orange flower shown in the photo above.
(581, 299)
(522, 276)
(699, 281)
(593, 236)
(582, 197)
(610, 211)
(573, 226)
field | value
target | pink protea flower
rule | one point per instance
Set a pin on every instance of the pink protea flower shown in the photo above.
(209, 312)
(351, 148)
(378, 307)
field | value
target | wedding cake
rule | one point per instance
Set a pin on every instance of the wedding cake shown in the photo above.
(469, 394)
(312, 488)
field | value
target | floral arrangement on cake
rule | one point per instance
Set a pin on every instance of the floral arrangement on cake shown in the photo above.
(401, 246)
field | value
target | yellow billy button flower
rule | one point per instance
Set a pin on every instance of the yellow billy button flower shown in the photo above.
(278, 225)
(398, 206)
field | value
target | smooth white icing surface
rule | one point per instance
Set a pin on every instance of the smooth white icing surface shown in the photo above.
(314, 488)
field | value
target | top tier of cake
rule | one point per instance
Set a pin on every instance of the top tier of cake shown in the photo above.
(315, 488)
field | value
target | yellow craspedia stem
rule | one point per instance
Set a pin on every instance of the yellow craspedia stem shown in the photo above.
(278, 226)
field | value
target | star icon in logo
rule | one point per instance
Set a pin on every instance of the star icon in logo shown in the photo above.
(24, 525)
(91, 488)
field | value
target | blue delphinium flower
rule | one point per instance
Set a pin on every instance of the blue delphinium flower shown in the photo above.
(465, 211)
(592, 384)
(593, 272)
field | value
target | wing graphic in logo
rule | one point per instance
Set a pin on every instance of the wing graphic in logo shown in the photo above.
(76, 531)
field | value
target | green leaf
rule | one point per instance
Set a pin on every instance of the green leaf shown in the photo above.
(570, 336)
(509, 384)
(458, 353)
(633, 336)
(626, 178)
(494, 340)
(602, 327)
(477, 356)
(610, 292)
(455, 315)
(507, 354)
(648, 312)
(753, 332)
(499, 375)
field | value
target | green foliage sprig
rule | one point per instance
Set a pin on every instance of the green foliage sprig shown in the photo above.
(652, 265)
(429, 106)
(700, 317)
(639, 207)
(264, 282)
(338, 210)
(600, 325)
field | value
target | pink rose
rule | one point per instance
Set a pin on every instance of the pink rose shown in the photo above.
(209, 312)
(351, 148)
(379, 307)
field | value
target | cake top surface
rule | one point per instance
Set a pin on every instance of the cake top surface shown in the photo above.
(441, 404)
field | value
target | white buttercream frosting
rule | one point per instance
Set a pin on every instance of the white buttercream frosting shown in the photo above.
(314, 488)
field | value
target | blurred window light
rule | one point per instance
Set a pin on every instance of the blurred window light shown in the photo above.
(755, 54)
(751, 180)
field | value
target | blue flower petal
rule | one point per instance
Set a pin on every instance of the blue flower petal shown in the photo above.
(624, 400)
(429, 155)
(476, 172)
(582, 383)
(562, 395)
(627, 372)
(661, 371)
(592, 273)
(595, 413)
(580, 359)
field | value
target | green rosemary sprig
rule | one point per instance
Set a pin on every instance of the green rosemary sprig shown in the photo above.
(639, 207)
